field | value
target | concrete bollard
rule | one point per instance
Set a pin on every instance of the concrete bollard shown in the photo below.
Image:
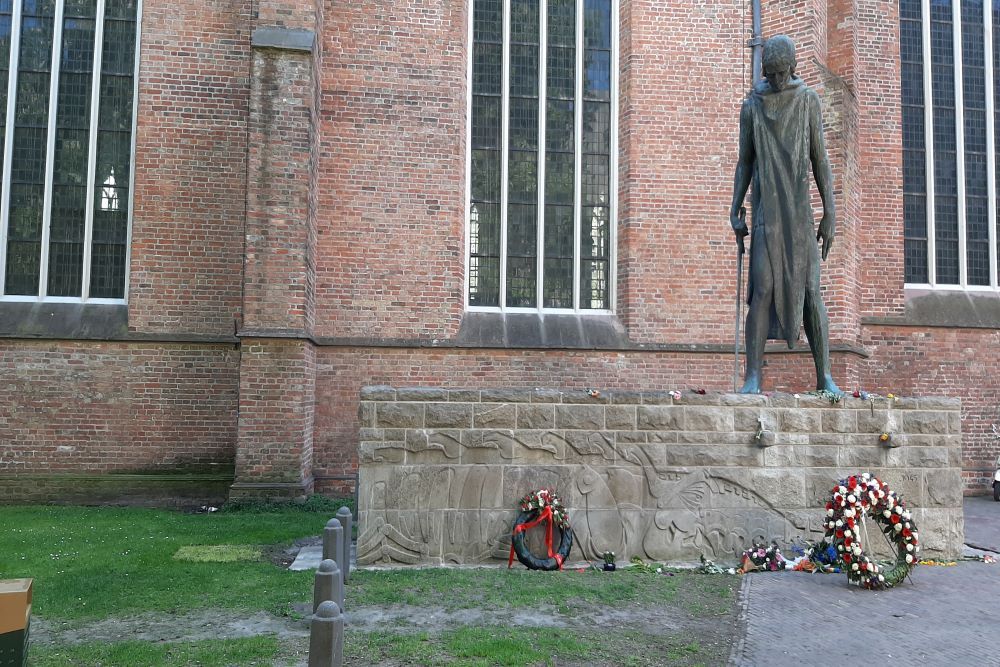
(326, 636)
(329, 585)
(333, 543)
(346, 521)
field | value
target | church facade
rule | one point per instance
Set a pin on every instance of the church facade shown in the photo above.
(219, 220)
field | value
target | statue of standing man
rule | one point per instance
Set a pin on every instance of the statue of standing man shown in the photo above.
(781, 141)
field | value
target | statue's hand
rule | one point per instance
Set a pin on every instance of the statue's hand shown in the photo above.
(739, 224)
(826, 234)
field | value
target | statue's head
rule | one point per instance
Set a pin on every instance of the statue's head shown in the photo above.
(778, 62)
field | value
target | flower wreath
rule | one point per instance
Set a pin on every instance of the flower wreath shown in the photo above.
(852, 499)
(537, 507)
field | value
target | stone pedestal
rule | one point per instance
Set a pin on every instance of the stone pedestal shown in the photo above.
(646, 474)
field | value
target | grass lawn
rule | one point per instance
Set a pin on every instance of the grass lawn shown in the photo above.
(123, 586)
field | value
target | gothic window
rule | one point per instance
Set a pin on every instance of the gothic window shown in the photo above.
(67, 92)
(543, 119)
(949, 60)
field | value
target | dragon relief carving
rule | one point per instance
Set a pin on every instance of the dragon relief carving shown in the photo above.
(623, 500)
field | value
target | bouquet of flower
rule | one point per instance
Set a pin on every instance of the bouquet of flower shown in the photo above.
(537, 501)
(766, 558)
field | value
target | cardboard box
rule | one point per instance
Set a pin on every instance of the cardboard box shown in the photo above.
(15, 604)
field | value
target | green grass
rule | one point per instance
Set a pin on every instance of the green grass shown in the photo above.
(519, 588)
(91, 564)
(94, 562)
(207, 653)
(522, 646)
(219, 553)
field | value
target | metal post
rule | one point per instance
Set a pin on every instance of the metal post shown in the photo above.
(756, 43)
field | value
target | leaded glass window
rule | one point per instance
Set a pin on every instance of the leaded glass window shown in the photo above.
(949, 62)
(541, 209)
(67, 81)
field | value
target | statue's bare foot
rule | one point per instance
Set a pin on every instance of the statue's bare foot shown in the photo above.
(827, 384)
(751, 385)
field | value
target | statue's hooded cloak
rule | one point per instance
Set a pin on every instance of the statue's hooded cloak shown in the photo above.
(785, 125)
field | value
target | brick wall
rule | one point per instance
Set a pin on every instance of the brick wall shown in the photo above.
(684, 74)
(191, 162)
(274, 453)
(391, 185)
(72, 407)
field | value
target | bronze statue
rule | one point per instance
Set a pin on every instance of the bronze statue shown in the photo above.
(781, 140)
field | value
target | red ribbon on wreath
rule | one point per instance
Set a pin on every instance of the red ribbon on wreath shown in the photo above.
(544, 515)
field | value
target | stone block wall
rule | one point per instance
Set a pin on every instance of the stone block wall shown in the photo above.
(642, 473)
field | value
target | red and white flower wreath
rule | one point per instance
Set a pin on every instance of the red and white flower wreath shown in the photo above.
(853, 498)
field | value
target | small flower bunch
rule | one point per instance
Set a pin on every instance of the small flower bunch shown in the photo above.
(608, 557)
(823, 556)
(537, 501)
(852, 498)
(763, 557)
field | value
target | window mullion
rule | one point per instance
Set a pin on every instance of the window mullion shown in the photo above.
(925, 23)
(504, 150)
(15, 48)
(991, 188)
(135, 117)
(613, 164)
(543, 18)
(50, 147)
(577, 150)
(956, 48)
(95, 97)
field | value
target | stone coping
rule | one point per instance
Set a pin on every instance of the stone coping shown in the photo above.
(385, 393)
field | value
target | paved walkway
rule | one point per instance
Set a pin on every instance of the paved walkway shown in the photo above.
(948, 616)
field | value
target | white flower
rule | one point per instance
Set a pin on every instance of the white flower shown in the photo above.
(829, 512)
(659, 570)
(842, 489)
(898, 510)
(839, 523)
(840, 547)
(854, 566)
(856, 550)
(831, 524)
(848, 513)
(907, 515)
(847, 533)
(909, 558)
(881, 577)
(898, 527)
(909, 547)
(852, 498)
(906, 524)
(887, 514)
